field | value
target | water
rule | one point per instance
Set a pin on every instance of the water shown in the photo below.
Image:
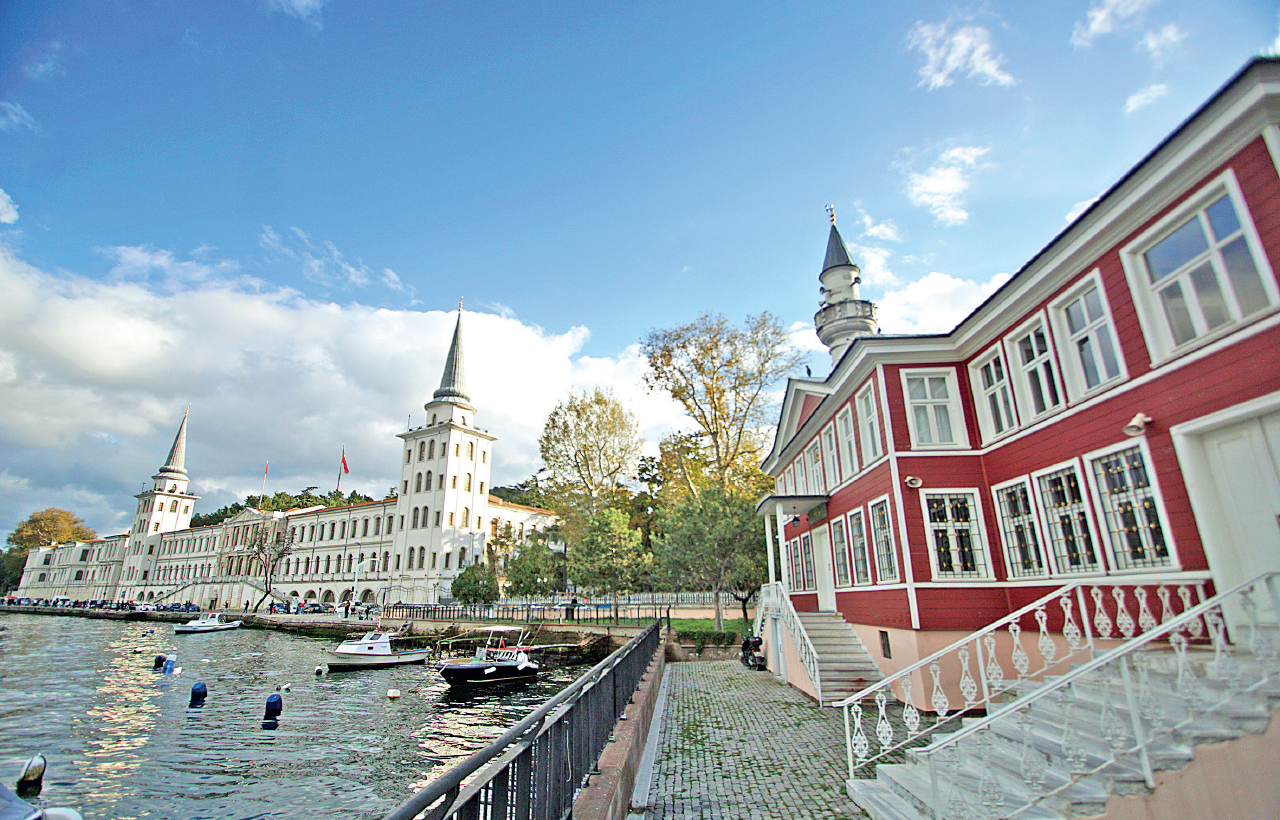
(122, 743)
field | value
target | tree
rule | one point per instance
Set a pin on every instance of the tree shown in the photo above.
(499, 548)
(611, 558)
(279, 502)
(532, 571)
(51, 525)
(477, 584)
(528, 492)
(721, 375)
(589, 443)
(268, 551)
(713, 541)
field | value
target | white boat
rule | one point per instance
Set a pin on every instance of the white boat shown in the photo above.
(373, 650)
(208, 622)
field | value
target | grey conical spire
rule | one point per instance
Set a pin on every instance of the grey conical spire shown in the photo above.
(175, 467)
(837, 253)
(453, 382)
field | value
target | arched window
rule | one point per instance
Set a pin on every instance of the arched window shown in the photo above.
(428, 481)
(40, 577)
(327, 558)
(467, 485)
(471, 450)
(456, 450)
(431, 447)
(386, 561)
(417, 485)
(415, 518)
(453, 482)
(466, 517)
(422, 556)
(344, 529)
(349, 561)
(362, 559)
(364, 528)
(173, 506)
(422, 450)
(332, 528)
(493, 527)
(307, 565)
(377, 525)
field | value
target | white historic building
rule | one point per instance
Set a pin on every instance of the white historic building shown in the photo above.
(405, 549)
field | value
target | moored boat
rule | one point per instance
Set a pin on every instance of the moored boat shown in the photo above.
(491, 663)
(208, 622)
(373, 650)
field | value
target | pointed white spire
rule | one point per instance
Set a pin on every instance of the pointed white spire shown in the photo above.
(175, 466)
(453, 382)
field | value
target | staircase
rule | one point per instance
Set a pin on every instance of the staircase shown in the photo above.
(844, 666)
(1061, 745)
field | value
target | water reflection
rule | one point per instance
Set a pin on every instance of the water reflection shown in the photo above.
(122, 742)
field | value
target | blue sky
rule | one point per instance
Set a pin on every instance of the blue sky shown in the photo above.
(267, 209)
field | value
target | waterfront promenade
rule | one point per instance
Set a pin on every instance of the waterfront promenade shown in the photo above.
(734, 743)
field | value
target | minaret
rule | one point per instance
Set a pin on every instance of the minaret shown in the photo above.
(843, 315)
(167, 506)
(452, 383)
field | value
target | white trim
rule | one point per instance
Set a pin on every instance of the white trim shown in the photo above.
(1037, 525)
(847, 411)
(986, 425)
(1100, 556)
(955, 408)
(1072, 371)
(881, 449)
(1155, 331)
(984, 542)
(848, 553)
(861, 512)
(875, 545)
(1018, 371)
(1157, 496)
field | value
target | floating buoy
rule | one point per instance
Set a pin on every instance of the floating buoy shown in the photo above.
(170, 664)
(198, 693)
(137, 650)
(319, 670)
(32, 778)
(275, 705)
(287, 687)
(158, 662)
(393, 693)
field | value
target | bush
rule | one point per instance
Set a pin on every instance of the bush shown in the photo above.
(701, 638)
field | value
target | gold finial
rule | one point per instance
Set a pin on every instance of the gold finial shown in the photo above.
(459, 304)
(831, 212)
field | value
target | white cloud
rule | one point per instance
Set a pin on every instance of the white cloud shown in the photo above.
(886, 231)
(45, 63)
(8, 211)
(873, 262)
(967, 50)
(941, 188)
(1105, 17)
(935, 303)
(14, 116)
(1079, 208)
(308, 11)
(94, 376)
(1274, 48)
(1145, 97)
(1159, 43)
(324, 263)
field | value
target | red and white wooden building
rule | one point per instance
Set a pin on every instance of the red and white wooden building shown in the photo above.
(1112, 411)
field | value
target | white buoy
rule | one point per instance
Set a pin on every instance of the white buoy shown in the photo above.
(137, 651)
(393, 693)
(286, 688)
(319, 670)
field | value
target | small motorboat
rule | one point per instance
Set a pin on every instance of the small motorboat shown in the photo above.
(208, 622)
(374, 650)
(492, 663)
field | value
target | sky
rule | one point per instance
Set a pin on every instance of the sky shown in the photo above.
(268, 210)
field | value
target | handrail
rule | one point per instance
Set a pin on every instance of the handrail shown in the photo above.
(519, 737)
(1146, 723)
(804, 646)
(984, 683)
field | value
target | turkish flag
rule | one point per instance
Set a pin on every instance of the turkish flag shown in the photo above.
(344, 461)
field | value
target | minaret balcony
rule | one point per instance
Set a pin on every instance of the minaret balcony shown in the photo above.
(845, 320)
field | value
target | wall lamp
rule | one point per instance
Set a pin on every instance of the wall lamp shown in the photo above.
(1137, 425)
(913, 482)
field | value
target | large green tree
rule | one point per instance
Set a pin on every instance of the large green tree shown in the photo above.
(611, 558)
(713, 541)
(532, 572)
(51, 525)
(477, 584)
(281, 501)
(722, 376)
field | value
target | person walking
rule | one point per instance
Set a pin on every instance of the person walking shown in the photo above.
(573, 608)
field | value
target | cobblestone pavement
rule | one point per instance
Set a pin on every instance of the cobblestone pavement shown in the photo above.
(739, 744)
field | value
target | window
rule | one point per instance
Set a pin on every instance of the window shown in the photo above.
(377, 525)
(456, 454)
(840, 547)
(450, 519)
(1199, 270)
(1018, 531)
(802, 480)
(845, 441)
(422, 556)
(1084, 321)
(481, 488)
(408, 456)
(471, 450)
(467, 484)
(466, 516)
(364, 528)
(954, 528)
(173, 506)
(1070, 538)
(991, 379)
(1130, 513)
(431, 449)
(830, 468)
(437, 521)
(440, 482)
(447, 555)
(391, 520)
(1034, 359)
(415, 517)
(453, 482)
(869, 425)
(858, 548)
(933, 415)
(814, 461)
(882, 543)
(806, 555)
(398, 558)
(422, 450)
(417, 485)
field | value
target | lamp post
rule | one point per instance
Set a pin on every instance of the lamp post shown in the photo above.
(356, 582)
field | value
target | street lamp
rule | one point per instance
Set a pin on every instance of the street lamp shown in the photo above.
(356, 582)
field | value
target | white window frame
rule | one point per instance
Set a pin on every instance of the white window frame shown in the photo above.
(1102, 513)
(869, 427)
(802, 474)
(868, 561)
(847, 443)
(1045, 508)
(978, 530)
(789, 481)
(955, 409)
(1072, 368)
(1009, 546)
(1018, 370)
(1155, 329)
(981, 395)
(813, 465)
(890, 548)
(830, 463)
(840, 549)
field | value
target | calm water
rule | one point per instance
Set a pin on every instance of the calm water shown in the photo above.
(121, 742)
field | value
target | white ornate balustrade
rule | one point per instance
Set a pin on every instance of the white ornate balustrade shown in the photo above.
(774, 599)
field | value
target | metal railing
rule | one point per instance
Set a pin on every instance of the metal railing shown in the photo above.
(534, 771)
(523, 613)
(1115, 715)
(981, 667)
(774, 597)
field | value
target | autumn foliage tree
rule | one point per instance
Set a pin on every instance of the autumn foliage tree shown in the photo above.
(51, 525)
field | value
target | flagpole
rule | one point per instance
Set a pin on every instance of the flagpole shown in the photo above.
(263, 495)
(339, 489)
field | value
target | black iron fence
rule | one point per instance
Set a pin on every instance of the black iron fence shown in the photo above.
(534, 771)
(586, 613)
